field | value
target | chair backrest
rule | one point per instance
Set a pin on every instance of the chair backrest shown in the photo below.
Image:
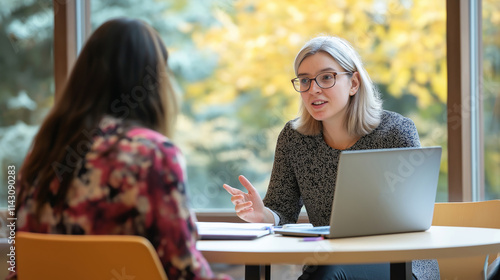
(466, 214)
(96, 257)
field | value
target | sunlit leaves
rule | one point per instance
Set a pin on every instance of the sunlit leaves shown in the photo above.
(402, 43)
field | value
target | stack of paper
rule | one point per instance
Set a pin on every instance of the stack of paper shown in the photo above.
(232, 231)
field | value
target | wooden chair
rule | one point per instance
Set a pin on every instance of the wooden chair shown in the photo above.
(482, 214)
(96, 257)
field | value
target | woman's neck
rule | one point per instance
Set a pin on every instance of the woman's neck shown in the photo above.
(336, 136)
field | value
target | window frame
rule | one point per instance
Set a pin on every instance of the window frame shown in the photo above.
(71, 29)
(465, 145)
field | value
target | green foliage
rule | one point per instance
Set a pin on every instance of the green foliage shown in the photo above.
(491, 97)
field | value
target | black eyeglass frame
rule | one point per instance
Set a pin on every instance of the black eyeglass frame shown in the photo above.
(314, 79)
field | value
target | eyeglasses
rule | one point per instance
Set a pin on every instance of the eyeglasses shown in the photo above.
(323, 80)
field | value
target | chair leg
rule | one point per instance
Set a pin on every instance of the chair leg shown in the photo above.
(401, 271)
(253, 272)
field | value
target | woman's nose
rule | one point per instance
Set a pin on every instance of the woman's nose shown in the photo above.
(314, 88)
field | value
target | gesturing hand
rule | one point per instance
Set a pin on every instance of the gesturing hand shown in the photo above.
(249, 206)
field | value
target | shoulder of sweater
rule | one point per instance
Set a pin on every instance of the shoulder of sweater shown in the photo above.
(393, 120)
(290, 131)
(288, 128)
(394, 125)
(290, 137)
(390, 115)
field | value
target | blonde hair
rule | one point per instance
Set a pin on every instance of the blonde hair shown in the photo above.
(365, 107)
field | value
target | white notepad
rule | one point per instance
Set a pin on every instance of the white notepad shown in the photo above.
(232, 231)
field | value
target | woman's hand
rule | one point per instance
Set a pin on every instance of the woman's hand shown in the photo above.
(249, 206)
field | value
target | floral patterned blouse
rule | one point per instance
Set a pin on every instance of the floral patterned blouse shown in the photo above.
(138, 189)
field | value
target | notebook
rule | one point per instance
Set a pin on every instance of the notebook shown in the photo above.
(232, 231)
(381, 191)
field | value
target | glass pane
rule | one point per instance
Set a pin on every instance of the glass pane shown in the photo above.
(491, 97)
(234, 60)
(27, 84)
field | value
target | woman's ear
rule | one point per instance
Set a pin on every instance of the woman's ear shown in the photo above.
(355, 83)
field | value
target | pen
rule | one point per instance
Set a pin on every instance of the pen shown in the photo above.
(318, 238)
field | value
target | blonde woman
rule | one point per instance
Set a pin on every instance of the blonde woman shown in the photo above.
(341, 110)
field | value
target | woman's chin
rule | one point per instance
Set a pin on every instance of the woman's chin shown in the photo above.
(317, 117)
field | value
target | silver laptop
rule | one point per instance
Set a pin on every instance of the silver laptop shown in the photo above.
(381, 191)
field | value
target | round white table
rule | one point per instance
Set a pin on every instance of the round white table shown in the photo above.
(398, 249)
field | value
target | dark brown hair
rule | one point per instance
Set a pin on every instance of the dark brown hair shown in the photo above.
(121, 72)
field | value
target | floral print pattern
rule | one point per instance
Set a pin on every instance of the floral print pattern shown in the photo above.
(130, 182)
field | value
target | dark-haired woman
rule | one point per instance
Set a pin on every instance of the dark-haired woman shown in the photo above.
(102, 163)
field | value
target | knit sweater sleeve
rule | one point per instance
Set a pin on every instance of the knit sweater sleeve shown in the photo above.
(283, 195)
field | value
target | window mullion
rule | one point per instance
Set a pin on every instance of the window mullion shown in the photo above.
(476, 118)
(71, 28)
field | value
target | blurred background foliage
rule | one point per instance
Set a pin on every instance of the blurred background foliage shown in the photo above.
(402, 43)
(233, 61)
(491, 96)
(26, 78)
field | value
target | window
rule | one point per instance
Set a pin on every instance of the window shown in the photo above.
(473, 94)
(234, 61)
(491, 97)
(27, 84)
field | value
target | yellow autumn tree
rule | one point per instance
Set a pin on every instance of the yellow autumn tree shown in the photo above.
(403, 46)
(402, 43)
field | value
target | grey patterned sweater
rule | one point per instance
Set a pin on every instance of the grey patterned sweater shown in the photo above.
(305, 169)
